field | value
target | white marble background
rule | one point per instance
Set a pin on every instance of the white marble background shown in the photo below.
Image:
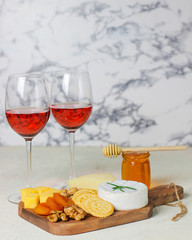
(138, 53)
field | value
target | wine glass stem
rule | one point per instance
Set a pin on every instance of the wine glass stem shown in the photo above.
(72, 148)
(29, 162)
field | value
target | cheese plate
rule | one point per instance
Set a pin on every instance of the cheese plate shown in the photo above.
(158, 196)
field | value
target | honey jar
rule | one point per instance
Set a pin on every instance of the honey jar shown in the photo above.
(136, 167)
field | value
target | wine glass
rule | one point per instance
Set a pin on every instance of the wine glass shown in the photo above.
(27, 111)
(71, 104)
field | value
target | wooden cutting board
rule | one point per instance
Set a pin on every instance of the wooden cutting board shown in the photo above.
(157, 196)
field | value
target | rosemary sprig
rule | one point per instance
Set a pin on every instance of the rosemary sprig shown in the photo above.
(120, 187)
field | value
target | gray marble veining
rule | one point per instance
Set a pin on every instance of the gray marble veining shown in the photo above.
(138, 54)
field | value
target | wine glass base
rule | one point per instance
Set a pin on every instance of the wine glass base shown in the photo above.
(61, 186)
(14, 198)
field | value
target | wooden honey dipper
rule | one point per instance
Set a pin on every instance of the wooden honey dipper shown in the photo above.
(113, 150)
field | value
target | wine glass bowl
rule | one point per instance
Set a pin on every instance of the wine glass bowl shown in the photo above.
(27, 109)
(71, 116)
(71, 103)
(27, 122)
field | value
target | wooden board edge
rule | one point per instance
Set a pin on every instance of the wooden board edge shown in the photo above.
(73, 227)
(32, 218)
(163, 194)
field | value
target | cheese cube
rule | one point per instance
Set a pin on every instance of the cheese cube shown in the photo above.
(31, 200)
(48, 193)
(41, 189)
(26, 191)
(54, 190)
(90, 181)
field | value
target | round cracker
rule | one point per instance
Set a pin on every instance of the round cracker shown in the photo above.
(82, 191)
(83, 203)
(85, 190)
(81, 198)
(99, 207)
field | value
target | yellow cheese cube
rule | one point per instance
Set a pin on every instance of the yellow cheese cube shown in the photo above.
(41, 189)
(91, 181)
(31, 200)
(26, 191)
(49, 193)
(54, 190)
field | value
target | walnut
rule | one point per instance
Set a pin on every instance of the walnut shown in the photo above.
(63, 217)
(56, 212)
(71, 191)
(75, 212)
(68, 193)
(53, 217)
(64, 193)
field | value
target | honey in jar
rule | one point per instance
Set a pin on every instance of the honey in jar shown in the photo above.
(136, 167)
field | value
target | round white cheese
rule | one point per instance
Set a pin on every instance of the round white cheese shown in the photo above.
(120, 194)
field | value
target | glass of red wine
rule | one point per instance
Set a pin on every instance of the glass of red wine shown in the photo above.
(27, 111)
(71, 104)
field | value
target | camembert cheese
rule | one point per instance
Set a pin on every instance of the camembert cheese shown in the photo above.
(124, 195)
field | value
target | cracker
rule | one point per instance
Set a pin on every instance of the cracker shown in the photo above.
(82, 191)
(88, 190)
(82, 197)
(83, 203)
(99, 207)
(85, 190)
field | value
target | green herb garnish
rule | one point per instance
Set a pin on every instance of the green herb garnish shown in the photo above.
(120, 187)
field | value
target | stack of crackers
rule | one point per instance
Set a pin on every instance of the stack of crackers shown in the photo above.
(89, 201)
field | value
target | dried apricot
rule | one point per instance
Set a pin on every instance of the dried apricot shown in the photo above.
(42, 209)
(69, 202)
(62, 200)
(53, 205)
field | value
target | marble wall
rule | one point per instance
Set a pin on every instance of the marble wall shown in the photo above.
(138, 53)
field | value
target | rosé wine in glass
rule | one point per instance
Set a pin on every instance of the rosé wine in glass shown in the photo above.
(28, 122)
(71, 104)
(27, 111)
(71, 115)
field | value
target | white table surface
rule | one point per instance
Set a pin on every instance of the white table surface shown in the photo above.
(50, 168)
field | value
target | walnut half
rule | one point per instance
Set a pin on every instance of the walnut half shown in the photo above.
(55, 216)
(75, 212)
(63, 217)
(64, 193)
(68, 193)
